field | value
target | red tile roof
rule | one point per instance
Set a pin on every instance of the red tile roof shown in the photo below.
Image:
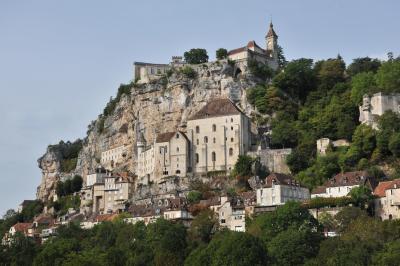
(218, 107)
(279, 179)
(237, 50)
(383, 186)
(106, 217)
(347, 179)
(22, 227)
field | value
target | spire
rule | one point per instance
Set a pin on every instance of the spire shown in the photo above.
(271, 32)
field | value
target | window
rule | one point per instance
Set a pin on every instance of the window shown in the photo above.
(231, 120)
(213, 156)
(197, 129)
(205, 139)
(177, 136)
(231, 139)
(214, 128)
(177, 149)
(222, 221)
(197, 157)
(231, 128)
(178, 171)
(214, 140)
(230, 152)
(197, 141)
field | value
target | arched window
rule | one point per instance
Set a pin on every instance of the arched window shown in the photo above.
(213, 156)
(214, 128)
(231, 120)
(177, 149)
(231, 139)
(230, 152)
(197, 157)
(205, 139)
(214, 140)
(178, 171)
(197, 129)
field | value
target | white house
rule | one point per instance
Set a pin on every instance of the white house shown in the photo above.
(387, 202)
(341, 184)
(279, 189)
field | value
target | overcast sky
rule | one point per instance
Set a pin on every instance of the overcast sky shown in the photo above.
(60, 61)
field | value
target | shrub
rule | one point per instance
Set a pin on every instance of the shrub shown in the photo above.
(188, 72)
(221, 53)
(194, 196)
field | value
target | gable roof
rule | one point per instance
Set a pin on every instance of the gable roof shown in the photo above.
(249, 45)
(279, 179)
(218, 107)
(380, 190)
(347, 179)
(22, 227)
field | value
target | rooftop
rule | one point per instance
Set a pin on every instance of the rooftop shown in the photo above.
(380, 190)
(218, 107)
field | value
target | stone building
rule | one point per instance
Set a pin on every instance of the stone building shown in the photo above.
(387, 201)
(324, 143)
(279, 189)
(172, 155)
(218, 134)
(377, 105)
(267, 56)
(273, 159)
(146, 72)
(341, 184)
(112, 157)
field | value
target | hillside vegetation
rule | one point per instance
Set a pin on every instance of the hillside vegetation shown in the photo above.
(311, 100)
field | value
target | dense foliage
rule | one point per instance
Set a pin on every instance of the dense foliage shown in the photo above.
(312, 100)
(196, 56)
(221, 53)
(288, 236)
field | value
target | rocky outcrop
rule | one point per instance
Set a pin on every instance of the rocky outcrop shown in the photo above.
(153, 108)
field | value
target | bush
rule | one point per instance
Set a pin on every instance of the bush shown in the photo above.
(221, 53)
(196, 56)
(243, 166)
(188, 72)
(194, 196)
(261, 71)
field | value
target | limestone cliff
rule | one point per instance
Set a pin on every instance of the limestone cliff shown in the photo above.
(157, 107)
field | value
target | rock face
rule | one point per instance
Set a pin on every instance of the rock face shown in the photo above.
(153, 108)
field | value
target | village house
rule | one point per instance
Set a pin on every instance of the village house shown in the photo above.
(341, 184)
(100, 218)
(279, 189)
(107, 193)
(387, 201)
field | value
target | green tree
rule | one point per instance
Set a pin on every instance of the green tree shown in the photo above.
(282, 62)
(189, 72)
(388, 76)
(297, 79)
(330, 72)
(361, 84)
(196, 56)
(76, 183)
(362, 195)
(394, 144)
(363, 64)
(294, 246)
(389, 256)
(347, 215)
(284, 133)
(194, 196)
(221, 53)
(202, 227)
(261, 71)
(291, 215)
(230, 249)
(243, 166)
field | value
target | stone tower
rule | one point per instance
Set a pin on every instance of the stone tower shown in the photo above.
(271, 42)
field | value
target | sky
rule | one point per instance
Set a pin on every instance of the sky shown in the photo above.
(60, 61)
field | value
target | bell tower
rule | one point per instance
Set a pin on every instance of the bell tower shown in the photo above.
(271, 42)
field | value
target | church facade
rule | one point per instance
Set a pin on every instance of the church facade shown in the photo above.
(215, 137)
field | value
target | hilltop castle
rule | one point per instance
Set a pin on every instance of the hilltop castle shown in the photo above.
(145, 72)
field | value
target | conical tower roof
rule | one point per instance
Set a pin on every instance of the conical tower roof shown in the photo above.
(271, 32)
